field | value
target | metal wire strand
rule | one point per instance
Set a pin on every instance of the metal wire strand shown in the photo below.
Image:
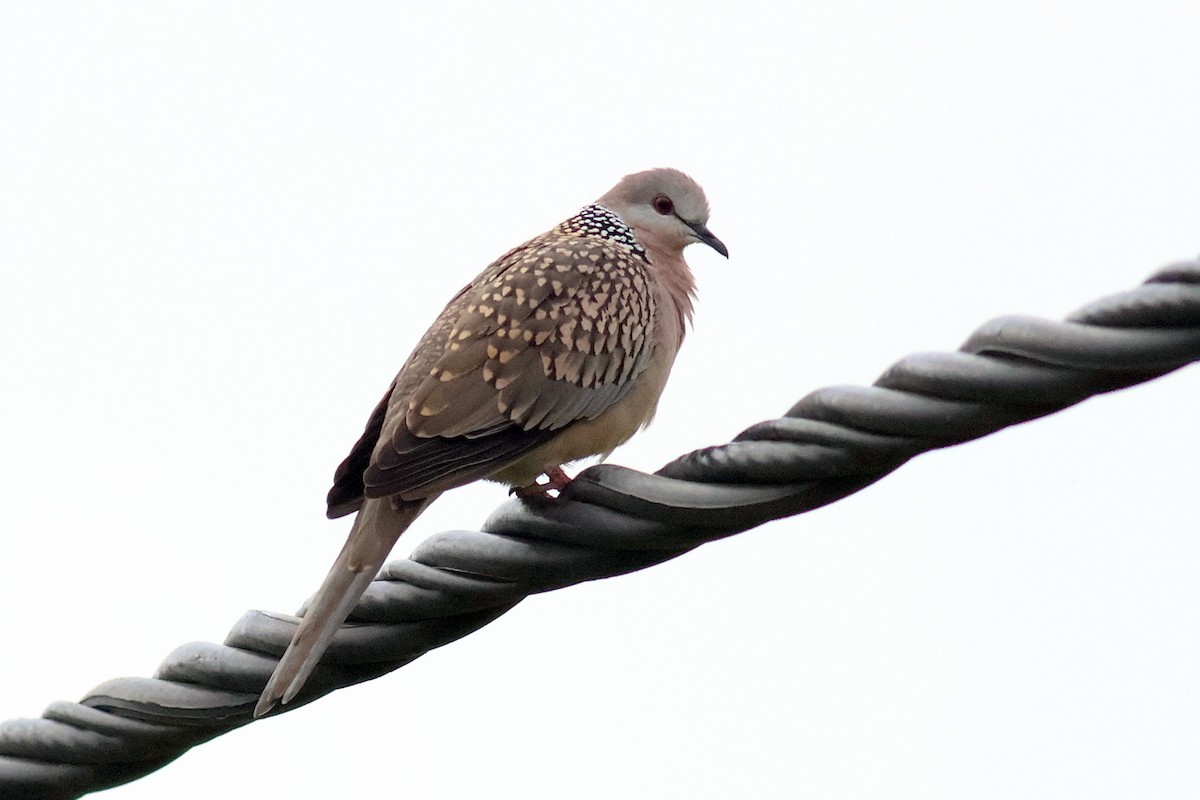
(613, 520)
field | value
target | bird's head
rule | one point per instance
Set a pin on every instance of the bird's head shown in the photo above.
(666, 209)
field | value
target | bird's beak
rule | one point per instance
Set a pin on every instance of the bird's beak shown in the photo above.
(705, 235)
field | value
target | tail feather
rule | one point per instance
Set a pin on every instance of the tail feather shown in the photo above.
(375, 531)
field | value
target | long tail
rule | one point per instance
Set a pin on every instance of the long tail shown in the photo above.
(375, 531)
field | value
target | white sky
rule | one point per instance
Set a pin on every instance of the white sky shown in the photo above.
(222, 230)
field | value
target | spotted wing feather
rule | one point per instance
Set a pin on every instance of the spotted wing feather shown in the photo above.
(553, 332)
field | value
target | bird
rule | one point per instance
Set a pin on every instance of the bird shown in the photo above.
(557, 351)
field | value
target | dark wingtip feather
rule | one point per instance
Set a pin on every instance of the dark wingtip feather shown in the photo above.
(346, 495)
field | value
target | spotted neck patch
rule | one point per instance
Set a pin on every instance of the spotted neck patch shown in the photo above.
(596, 220)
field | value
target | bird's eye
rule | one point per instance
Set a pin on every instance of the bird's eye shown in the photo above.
(663, 205)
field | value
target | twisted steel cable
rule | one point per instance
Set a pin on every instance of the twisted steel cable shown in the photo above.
(613, 520)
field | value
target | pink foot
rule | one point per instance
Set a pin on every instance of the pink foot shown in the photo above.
(556, 480)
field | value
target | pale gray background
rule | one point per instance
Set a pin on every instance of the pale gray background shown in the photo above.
(222, 229)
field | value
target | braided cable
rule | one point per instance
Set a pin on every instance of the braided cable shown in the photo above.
(611, 520)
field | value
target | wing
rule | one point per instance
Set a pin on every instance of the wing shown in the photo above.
(554, 332)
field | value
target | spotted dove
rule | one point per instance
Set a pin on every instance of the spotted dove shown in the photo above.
(557, 351)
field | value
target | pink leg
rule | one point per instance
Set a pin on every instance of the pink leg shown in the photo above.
(556, 480)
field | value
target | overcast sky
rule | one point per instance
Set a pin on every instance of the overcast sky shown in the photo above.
(223, 229)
